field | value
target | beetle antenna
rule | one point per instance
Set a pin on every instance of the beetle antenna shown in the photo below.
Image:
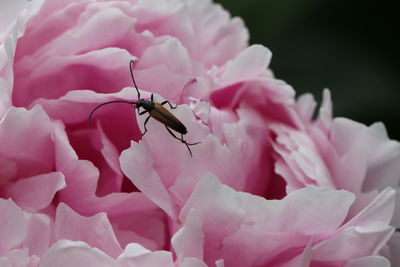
(133, 79)
(109, 102)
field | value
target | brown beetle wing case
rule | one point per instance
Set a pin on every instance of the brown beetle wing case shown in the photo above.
(167, 118)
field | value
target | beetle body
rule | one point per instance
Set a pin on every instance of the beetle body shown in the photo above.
(156, 111)
(164, 116)
(146, 104)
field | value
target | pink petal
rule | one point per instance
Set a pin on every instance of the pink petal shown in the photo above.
(352, 243)
(9, 11)
(12, 224)
(207, 30)
(248, 65)
(325, 112)
(95, 231)
(378, 169)
(90, 32)
(38, 235)
(8, 169)
(193, 170)
(51, 74)
(224, 219)
(136, 255)
(263, 230)
(111, 177)
(193, 262)
(14, 17)
(269, 226)
(244, 138)
(394, 246)
(37, 192)
(41, 27)
(220, 117)
(301, 155)
(149, 227)
(383, 167)
(82, 177)
(378, 212)
(369, 261)
(8, 42)
(272, 98)
(310, 207)
(5, 95)
(19, 257)
(136, 166)
(4, 261)
(65, 253)
(346, 133)
(226, 216)
(215, 29)
(219, 263)
(133, 250)
(363, 235)
(304, 259)
(188, 241)
(32, 158)
(305, 106)
(170, 53)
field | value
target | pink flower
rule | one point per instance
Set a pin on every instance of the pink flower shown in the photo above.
(348, 155)
(77, 240)
(341, 154)
(295, 231)
(266, 186)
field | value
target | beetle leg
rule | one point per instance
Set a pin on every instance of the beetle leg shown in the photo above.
(152, 98)
(166, 101)
(189, 144)
(145, 128)
(182, 140)
(143, 112)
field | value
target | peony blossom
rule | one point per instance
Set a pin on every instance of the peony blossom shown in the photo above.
(267, 185)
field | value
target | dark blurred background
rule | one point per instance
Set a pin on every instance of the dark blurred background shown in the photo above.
(350, 47)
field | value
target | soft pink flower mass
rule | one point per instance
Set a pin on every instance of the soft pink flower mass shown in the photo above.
(267, 186)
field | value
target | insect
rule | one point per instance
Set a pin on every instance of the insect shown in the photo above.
(156, 111)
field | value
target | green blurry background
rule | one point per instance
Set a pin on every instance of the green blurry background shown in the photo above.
(350, 47)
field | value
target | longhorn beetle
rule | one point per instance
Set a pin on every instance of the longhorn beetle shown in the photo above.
(156, 111)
